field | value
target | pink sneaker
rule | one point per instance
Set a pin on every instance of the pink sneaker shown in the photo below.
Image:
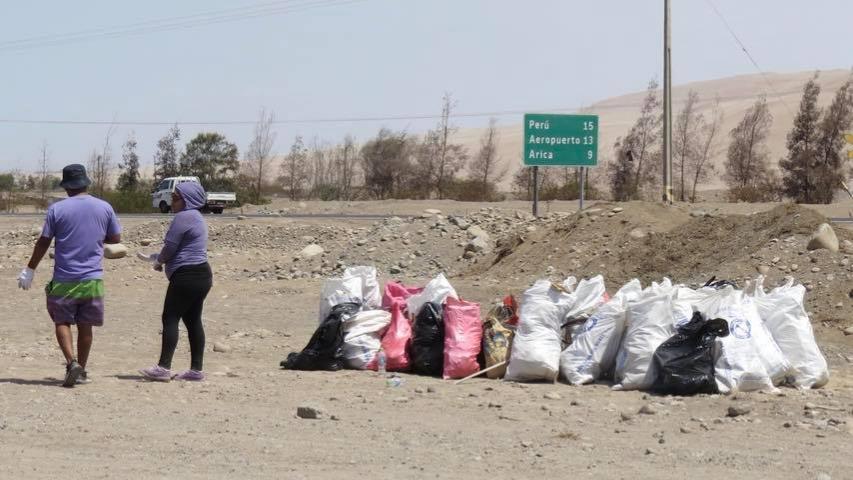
(190, 376)
(157, 373)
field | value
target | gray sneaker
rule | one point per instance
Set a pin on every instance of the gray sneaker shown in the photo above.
(72, 373)
(84, 378)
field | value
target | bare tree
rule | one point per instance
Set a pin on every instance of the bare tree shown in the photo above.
(485, 166)
(439, 159)
(345, 160)
(685, 145)
(746, 162)
(698, 165)
(638, 153)
(100, 165)
(259, 154)
(294, 170)
(44, 174)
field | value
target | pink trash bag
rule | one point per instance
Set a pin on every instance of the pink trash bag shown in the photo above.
(463, 335)
(397, 292)
(395, 342)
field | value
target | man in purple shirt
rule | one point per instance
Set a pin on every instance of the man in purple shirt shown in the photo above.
(184, 254)
(81, 224)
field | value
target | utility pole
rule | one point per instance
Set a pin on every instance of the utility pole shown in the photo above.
(667, 106)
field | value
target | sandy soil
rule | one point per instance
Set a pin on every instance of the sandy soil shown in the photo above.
(241, 423)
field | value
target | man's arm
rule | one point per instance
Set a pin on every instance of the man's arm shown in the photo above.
(113, 238)
(42, 244)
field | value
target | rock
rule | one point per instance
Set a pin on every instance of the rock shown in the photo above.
(361, 242)
(616, 209)
(401, 400)
(221, 347)
(738, 410)
(145, 242)
(311, 251)
(309, 413)
(526, 443)
(468, 255)
(650, 451)
(794, 267)
(303, 205)
(685, 430)
(626, 416)
(823, 237)
(847, 247)
(815, 269)
(478, 245)
(460, 222)
(113, 251)
(432, 211)
(51, 254)
(848, 331)
(430, 389)
(241, 217)
(823, 476)
(698, 213)
(553, 396)
(637, 233)
(775, 260)
(475, 231)
(763, 269)
(395, 270)
(648, 409)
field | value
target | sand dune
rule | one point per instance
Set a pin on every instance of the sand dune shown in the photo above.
(617, 114)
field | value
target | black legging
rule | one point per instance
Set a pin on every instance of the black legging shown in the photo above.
(188, 288)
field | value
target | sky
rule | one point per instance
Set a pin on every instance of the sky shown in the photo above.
(348, 59)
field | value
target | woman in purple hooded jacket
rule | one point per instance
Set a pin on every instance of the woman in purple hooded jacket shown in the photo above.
(184, 256)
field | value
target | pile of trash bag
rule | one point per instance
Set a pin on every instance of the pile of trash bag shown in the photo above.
(666, 338)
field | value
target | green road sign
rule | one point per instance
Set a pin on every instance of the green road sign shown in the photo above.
(560, 140)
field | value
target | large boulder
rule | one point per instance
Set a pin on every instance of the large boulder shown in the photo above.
(113, 251)
(823, 237)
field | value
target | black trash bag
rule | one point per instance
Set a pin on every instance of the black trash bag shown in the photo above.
(684, 364)
(428, 340)
(324, 350)
(719, 284)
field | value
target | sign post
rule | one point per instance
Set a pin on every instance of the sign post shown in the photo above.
(559, 141)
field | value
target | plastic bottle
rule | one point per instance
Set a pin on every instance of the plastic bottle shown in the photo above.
(381, 361)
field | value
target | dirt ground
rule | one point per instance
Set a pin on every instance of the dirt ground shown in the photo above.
(242, 423)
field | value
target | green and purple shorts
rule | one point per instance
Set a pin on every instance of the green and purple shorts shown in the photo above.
(76, 303)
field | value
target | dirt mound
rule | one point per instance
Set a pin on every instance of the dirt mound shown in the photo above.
(651, 241)
(705, 244)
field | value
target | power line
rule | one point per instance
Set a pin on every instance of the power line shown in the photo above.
(748, 55)
(362, 119)
(174, 23)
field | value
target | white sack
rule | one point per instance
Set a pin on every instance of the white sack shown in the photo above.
(594, 346)
(436, 291)
(339, 290)
(749, 358)
(649, 323)
(784, 314)
(536, 346)
(362, 337)
(370, 293)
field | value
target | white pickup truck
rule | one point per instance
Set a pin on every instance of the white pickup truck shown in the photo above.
(161, 197)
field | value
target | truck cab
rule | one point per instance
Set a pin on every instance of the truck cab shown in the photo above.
(161, 197)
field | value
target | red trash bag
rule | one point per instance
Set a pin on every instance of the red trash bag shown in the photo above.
(397, 292)
(463, 335)
(395, 342)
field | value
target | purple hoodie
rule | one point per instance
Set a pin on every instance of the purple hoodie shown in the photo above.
(186, 240)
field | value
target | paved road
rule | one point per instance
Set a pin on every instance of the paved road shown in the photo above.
(232, 216)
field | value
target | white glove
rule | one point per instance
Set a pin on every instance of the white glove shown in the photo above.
(152, 257)
(25, 279)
